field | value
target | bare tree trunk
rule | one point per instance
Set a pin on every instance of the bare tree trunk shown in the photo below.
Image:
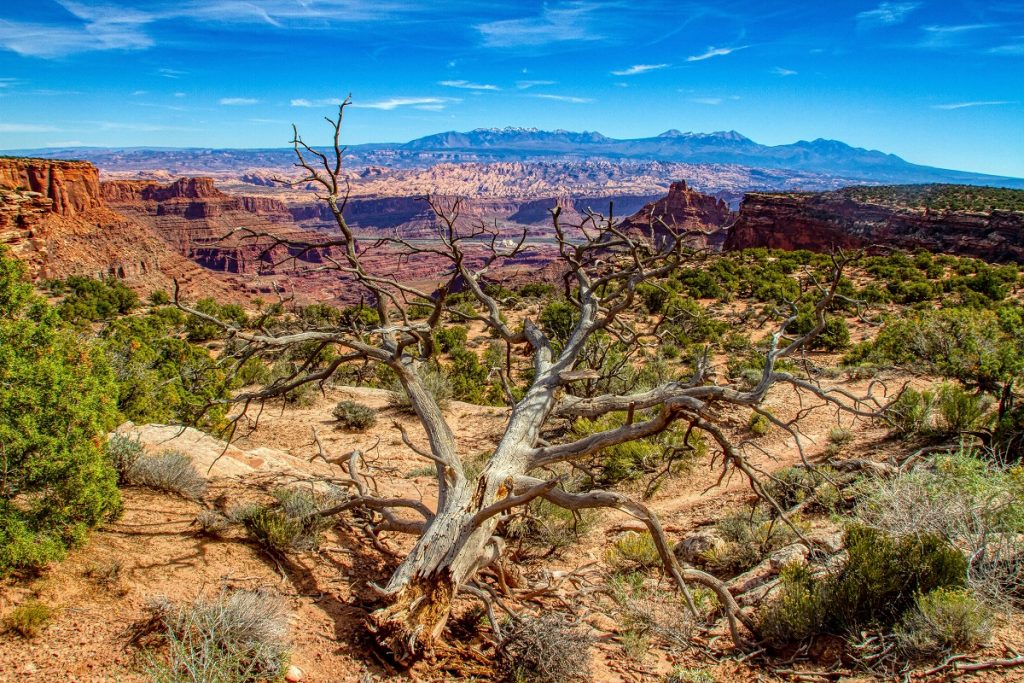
(459, 541)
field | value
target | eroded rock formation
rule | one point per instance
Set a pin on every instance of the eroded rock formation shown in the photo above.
(683, 210)
(822, 221)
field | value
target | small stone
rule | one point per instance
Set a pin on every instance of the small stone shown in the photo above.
(30, 668)
(294, 674)
(695, 547)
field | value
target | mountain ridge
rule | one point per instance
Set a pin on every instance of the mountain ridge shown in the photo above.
(532, 144)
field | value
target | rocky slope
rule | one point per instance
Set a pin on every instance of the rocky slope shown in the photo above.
(681, 211)
(194, 216)
(820, 221)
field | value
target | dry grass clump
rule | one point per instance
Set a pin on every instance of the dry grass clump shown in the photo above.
(211, 523)
(551, 648)
(634, 551)
(169, 471)
(437, 385)
(646, 611)
(239, 637)
(30, 618)
(123, 452)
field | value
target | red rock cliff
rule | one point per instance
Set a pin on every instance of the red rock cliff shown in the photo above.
(821, 221)
(72, 187)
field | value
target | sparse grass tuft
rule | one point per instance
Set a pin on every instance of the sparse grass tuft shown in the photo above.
(689, 675)
(240, 637)
(758, 424)
(169, 471)
(634, 551)
(211, 523)
(30, 618)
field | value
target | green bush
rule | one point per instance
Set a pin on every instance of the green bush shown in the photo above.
(634, 551)
(291, 524)
(58, 400)
(90, 300)
(558, 319)
(944, 621)
(884, 573)
(546, 525)
(880, 581)
(750, 536)
(911, 413)
(355, 417)
(30, 618)
(758, 424)
(960, 409)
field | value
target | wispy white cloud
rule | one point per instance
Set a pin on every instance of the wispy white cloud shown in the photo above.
(780, 71)
(712, 101)
(468, 85)
(563, 98)
(436, 103)
(238, 101)
(50, 41)
(715, 52)
(887, 14)
(555, 24)
(325, 102)
(1008, 50)
(171, 73)
(526, 85)
(26, 128)
(965, 105)
(938, 37)
(639, 69)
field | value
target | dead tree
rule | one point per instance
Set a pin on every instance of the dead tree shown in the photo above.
(460, 536)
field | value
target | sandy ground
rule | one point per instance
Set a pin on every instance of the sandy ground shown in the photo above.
(154, 551)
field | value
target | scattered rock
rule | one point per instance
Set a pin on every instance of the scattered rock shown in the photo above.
(695, 547)
(294, 674)
(830, 541)
(791, 554)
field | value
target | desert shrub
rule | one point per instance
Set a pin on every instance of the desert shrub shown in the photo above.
(467, 376)
(835, 336)
(884, 573)
(878, 583)
(750, 536)
(551, 648)
(201, 330)
(840, 436)
(911, 413)
(796, 610)
(30, 618)
(159, 297)
(240, 637)
(451, 337)
(58, 400)
(546, 525)
(292, 523)
(169, 471)
(971, 502)
(211, 523)
(558, 319)
(303, 396)
(635, 551)
(645, 610)
(106, 573)
(161, 377)
(123, 452)
(758, 424)
(790, 486)
(252, 371)
(89, 300)
(960, 409)
(353, 416)
(536, 290)
(433, 379)
(632, 460)
(944, 621)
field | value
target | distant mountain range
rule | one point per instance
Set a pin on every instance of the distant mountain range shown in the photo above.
(829, 157)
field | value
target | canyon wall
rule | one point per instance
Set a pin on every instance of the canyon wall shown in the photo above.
(822, 221)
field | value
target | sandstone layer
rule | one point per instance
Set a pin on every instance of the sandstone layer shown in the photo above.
(822, 221)
(701, 219)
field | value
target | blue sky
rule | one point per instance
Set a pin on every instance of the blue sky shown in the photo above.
(937, 82)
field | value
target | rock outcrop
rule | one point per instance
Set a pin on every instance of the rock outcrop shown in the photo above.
(681, 211)
(54, 218)
(822, 221)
